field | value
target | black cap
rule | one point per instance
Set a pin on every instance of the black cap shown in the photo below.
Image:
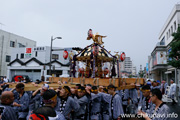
(146, 87)
(94, 87)
(81, 89)
(78, 85)
(48, 94)
(111, 86)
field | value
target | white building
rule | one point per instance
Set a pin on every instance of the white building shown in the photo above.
(7, 42)
(134, 70)
(127, 67)
(128, 64)
(158, 66)
(35, 62)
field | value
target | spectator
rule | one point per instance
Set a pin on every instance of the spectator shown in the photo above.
(172, 92)
(163, 86)
(8, 113)
(5, 79)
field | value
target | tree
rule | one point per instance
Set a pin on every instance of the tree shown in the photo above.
(174, 55)
(141, 74)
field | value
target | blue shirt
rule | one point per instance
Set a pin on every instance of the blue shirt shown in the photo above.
(8, 113)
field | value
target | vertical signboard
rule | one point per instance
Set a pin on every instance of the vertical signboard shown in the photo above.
(147, 68)
(28, 52)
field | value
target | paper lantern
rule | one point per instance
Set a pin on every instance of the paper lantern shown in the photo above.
(65, 54)
(90, 33)
(122, 56)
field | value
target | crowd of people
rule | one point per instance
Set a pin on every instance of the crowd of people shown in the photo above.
(84, 102)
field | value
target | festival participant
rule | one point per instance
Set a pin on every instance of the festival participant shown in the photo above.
(146, 102)
(21, 104)
(139, 92)
(133, 95)
(105, 101)
(158, 84)
(160, 110)
(88, 95)
(44, 113)
(124, 94)
(154, 85)
(82, 101)
(50, 100)
(115, 105)
(37, 99)
(65, 103)
(8, 113)
(95, 104)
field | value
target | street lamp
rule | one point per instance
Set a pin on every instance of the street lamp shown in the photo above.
(51, 52)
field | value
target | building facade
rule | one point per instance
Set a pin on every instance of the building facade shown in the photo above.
(35, 62)
(127, 68)
(158, 66)
(8, 41)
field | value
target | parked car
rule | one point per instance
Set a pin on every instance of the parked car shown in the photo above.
(19, 78)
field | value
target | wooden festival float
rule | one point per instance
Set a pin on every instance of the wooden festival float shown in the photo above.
(94, 57)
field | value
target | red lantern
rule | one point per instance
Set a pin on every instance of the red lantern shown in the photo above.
(65, 54)
(122, 56)
(95, 50)
(90, 33)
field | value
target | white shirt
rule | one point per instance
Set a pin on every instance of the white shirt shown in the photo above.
(5, 80)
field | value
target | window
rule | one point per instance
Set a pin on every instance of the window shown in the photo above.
(8, 58)
(12, 44)
(37, 70)
(171, 30)
(17, 56)
(36, 54)
(22, 55)
(174, 26)
(55, 56)
(169, 33)
(28, 70)
(162, 41)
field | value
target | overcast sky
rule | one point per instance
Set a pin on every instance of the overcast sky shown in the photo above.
(131, 26)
